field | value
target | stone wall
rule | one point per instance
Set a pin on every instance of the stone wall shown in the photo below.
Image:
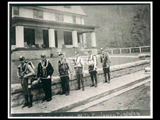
(116, 71)
(33, 54)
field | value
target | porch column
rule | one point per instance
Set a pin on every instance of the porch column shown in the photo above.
(74, 38)
(19, 36)
(93, 39)
(81, 40)
(51, 38)
(84, 40)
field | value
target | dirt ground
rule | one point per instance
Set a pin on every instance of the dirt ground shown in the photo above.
(137, 98)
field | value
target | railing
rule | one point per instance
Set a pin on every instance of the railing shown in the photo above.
(130, 50)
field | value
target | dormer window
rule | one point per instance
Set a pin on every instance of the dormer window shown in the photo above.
(37, 14)
(74, 19)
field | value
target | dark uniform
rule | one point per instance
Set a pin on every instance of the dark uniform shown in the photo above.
(105, 60)
(25, 72)
(63, 68)
(92, 67)
(44, 72)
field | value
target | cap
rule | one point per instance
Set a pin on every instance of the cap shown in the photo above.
(43, 55)
(21, 58)
(89, 51)
(59, 54)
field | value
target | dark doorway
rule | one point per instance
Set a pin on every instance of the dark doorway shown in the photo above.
(45, 38)
(67, 38)
(56, 40)
(29, 36)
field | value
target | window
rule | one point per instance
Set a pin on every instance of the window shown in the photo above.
(67, 38)
(15, 10)
(81, 20)
(37, 14)
(59, 17)
(74, 19)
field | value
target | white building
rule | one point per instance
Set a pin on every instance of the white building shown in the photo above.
(49, 27)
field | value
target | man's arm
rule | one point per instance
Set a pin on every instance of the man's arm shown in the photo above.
(95, 62)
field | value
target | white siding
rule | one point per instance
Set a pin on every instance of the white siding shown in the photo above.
(24, 12)
(48, 16)
(27, 12)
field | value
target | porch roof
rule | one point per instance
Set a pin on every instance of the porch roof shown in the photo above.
(41, 23)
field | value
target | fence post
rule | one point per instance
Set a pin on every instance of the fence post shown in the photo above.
(120, 50)
(140, 49)
(111, 51)
(130, 50)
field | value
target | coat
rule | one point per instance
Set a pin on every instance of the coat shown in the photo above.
(105, 60)
(63, 68)
(45, 69)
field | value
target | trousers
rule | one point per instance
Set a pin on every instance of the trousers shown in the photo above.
(65, 84)
(106, 72)
(79, 76)
(93, 75)
(24, 83)
(46, 84)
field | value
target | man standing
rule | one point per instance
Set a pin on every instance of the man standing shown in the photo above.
(44, 73)
(105, 60)
(63, 69)
(79, 70)
(92, 67)
(25, 72)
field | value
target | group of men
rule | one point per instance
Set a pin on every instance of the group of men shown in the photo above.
(26, 72)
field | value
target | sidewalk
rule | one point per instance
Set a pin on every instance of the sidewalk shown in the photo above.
(61, 103)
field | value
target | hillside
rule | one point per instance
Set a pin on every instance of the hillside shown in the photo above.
(115, 24)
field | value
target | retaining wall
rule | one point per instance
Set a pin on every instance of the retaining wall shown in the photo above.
(116, 71)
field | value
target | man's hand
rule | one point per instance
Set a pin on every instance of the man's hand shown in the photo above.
(39, 80)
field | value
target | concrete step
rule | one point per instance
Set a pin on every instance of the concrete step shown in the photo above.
(106, 97)
(94, 99)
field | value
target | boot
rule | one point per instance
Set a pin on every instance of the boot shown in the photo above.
(105, 76)
(26, 101)
(30, 101)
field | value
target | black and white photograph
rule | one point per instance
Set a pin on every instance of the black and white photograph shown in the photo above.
(80, 60)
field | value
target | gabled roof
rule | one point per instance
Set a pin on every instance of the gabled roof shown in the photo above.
(73, 9)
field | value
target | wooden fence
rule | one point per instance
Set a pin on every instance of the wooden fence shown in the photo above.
(129, 50)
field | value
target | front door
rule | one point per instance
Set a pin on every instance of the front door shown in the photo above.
(45, 39)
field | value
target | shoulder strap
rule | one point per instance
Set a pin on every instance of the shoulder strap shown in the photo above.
(47, 60)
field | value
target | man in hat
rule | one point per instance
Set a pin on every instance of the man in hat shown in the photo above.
(25, 72)
(63, 69)
(92, 67)
(105, 60)
(44, 73)
(79, 68)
